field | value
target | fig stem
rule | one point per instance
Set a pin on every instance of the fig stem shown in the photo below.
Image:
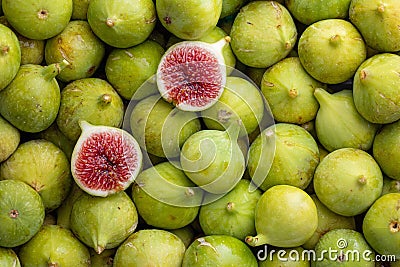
(4, 49)
(293, 93)
(105, 99)
(257, 240)
(218, 45)
(335, 39)
(230, 207)
(322, 96)
(51, 71)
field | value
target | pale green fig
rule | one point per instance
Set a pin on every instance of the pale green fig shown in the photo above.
(390, 185)
(283, 154)
(339, 112)
(232, 214)
(308, 12)
(10, 138)
(127, 69)
(64, 210)
(54, 135)
(381, 225)
(43, 166)
(150, 247)
(331, 50)
(278, 219)
(79, 9)
(160, 128)
(291, 100)
(218, 250)
(54, 246)
(284, 257)
(213, 160)
(378, 22)
(352, 250)
(373, 88)
(31, 101)
(22, 213)
(122, 23)
(231, 7)
(10, 56)
(186, 234)
(153, 191)
(384, 149)
(348, 181)
(8, 258)
(248, 31)
(38, 20)
(105, 259)
(191, 20)
(80, 47)
(240, 101)
(327, 220)
(103, 222)
(91, 99)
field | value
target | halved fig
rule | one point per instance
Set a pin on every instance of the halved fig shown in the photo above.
(105, 159)
(192, 74)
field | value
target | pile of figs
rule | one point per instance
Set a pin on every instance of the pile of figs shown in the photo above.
(199, 133)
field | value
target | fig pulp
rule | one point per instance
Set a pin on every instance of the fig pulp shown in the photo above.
(105, 159)
(10, 56)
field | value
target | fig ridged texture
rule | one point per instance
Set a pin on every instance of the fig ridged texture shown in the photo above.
(103, 222)
(292, 257)
(122, 23)
(338, 111)
(348, 181)
(150, 247)
(291, 100)
(283, 154)
(240, 101)
(43, 166)
(10, 56)
(54, 246)
(80, 47)
(375, 88)
(79, 9)
(9, 258)
(253, 23)
(22, 213)
(381, 225)
(160, 128)
(153, 190)
(218, 250)
(91, 99)
(232, 214)
(352, 250)
(39, 19)
(213, 160)
(308, 12)
(190, 20)
(10, 138)
(127, 69)
(378, 22)
(32, 100)
(278, 220)
(385, 149)
(331, 50)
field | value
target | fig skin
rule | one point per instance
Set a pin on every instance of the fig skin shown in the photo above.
(381, 227)
(283, 154)
(378, 22)
(232, 214)
(289, 259)
(10, 56)
(38, 20)
(127, 69)
(103, 222)
(285, 216)
(189, 21)
(374, 88)
(291, 100)
(9, 258)
(122, 23)
(218, 250)
(9, 139)
(54, 246)
(140, 248)
(153, 190)
(339, 112)
(80, 47)
(64, 210)
(348, 181)
(19, 200)
(231, 7)
(79, 9)
(186, 234)
(248, 34)
(48, 173)
(390, 185)
(54, 135)
(105, 259)
(91, 99)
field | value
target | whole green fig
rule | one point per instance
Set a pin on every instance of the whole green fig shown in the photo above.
(9, 139)
(10, 56)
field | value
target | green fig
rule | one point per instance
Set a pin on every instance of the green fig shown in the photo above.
(8, 258)
(348, 181)
(390, 186)
(10, 56)
(64, 210)
(31, 101)
(9, 139)
(54, 135)
(339, 112)
(105, 259)
(186, 234)
(79, 9)
(231, 7)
